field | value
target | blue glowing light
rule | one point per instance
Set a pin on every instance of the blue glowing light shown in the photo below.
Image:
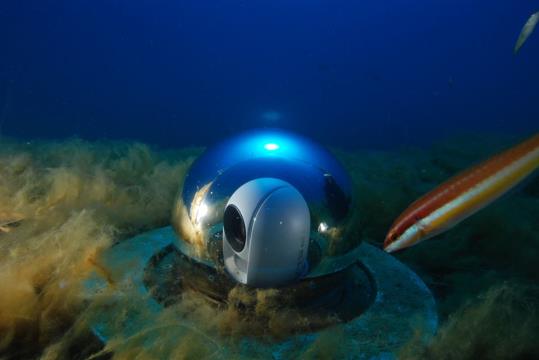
(271, 146)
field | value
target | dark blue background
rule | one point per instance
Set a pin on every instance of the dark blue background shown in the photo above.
(352, 73)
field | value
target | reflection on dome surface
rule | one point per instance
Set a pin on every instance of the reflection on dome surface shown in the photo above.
(310, 168)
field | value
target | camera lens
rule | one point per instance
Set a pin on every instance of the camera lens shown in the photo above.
(234, 228)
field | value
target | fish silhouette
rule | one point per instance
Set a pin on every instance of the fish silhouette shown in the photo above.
(526, 31)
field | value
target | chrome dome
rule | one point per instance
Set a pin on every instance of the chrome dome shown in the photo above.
(311, 169)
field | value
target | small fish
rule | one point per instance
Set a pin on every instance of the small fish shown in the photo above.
(526, 31)
(6, 227)
(9, 220)
(463, 195)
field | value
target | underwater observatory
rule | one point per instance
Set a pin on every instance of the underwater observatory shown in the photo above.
(269, 179)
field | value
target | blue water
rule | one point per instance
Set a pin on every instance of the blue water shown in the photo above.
(370, 74)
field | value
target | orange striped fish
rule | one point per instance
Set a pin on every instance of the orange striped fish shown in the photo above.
(463, 195)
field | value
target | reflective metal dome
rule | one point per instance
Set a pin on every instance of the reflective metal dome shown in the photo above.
(311, 169)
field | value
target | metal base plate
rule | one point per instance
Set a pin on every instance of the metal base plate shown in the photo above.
(401, 306)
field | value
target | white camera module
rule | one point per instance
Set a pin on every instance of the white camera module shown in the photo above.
(266, 227)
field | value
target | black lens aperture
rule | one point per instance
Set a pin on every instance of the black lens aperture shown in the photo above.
(234, 228)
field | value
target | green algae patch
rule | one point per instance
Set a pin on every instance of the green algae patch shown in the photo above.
(501, 323)
(61, 204)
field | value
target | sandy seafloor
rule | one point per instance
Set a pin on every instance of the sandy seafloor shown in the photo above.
(62, 203)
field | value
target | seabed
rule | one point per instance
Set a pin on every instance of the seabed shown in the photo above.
(400, 305)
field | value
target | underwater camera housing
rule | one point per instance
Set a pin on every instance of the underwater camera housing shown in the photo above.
(264, 209)
(278, 207)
